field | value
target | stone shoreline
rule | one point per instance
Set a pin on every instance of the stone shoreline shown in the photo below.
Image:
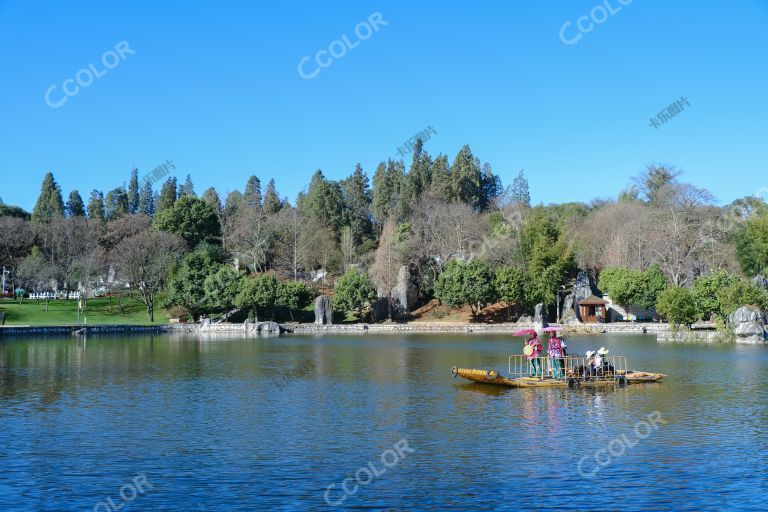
(703, 334)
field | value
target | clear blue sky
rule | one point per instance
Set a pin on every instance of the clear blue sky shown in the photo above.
(215, 87)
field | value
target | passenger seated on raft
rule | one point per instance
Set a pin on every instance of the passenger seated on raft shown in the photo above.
(601, 362)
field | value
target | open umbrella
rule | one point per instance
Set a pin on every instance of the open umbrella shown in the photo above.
(551, 329)
(524, 332)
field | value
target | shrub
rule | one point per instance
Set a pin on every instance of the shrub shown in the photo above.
(677, 305)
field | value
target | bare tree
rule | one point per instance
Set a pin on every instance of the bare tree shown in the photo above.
(145, 260)
(253, 234)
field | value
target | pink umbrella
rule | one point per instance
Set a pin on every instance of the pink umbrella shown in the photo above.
(524, 332)
(551, 329)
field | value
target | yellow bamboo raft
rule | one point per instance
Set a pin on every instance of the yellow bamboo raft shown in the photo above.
(493, 377)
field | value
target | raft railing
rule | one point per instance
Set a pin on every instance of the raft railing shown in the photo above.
(571, 367)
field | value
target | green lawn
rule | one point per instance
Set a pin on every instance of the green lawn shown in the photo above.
(64, 312)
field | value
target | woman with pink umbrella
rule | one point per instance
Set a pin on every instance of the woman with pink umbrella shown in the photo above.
(533, 350)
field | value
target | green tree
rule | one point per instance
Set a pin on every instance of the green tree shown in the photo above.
(96, 205)
(441, 179)
(510, 283)
(628, 287)
(49, 203)
(222, 286)
(740, 293)
(133, 192)
(466, 284)
(354, 291)
(186, 188)
(192, 219)
(116, 203)
(75, 206)
(167, 197)
(357, 204)
(752, 245)
(258, 293)
(272, 203)
(677, 305)
(211, 197)
(519, 192)
(324, 203)
(705, 293)
(252, 195)
(187, 285)
(146, 199)
(293, 295)
(386, 189)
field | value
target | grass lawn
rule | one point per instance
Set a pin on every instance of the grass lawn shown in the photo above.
(64, 312)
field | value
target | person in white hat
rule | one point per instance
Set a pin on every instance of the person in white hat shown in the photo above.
(601, 361)
(589, 366)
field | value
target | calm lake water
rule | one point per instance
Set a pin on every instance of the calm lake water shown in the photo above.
(372, 422)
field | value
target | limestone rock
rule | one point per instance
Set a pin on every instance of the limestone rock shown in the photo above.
(380, 309)
(749, 325)
(525, 319)
(540, 316)
(760, 281)
(323, 310)
(582, 289)
(404, 294)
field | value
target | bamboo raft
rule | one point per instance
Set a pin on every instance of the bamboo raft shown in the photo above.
(572, 379)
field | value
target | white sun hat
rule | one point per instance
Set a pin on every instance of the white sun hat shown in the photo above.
(602, 351)
(590, 353)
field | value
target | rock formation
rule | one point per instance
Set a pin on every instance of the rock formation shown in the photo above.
(323, 310)
(760, 281)
(540, 316)
(749, 325)
(404, 294)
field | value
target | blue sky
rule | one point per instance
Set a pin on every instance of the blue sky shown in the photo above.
(215, 87)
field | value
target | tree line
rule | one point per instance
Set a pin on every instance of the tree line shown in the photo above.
(464, 238)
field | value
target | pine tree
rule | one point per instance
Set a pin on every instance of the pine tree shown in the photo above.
(146, 199)
(387, 182)
(133, 192)
(441, 179)
(211, 197)
(75, 206)
(96, 205)
(167, 197)
(324, 202)
(357, 204)
(272, 202)
(252, 195)
(116, 203)
(49, 204)
(518, 191)
(186, 188)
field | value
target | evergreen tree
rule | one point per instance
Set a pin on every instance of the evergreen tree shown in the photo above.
(96, 205)
(49, 204)
(75, 206)
(386, 189)
(211, 197)
(272, 202)
(518, 191)
(324, 202)
(116, 203)
(252, 195)
(357, 204)
(192, 219)
(146, 199)
(186, 188)
(133, 192)
(232, 204)
(441, 179)
(167, 197)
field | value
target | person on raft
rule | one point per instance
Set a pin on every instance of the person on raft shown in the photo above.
(533, 357)
(601, 361)
(555, 353)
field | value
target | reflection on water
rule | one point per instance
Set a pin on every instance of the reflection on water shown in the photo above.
(233, 424)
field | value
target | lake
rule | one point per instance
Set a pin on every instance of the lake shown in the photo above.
(372, 422)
